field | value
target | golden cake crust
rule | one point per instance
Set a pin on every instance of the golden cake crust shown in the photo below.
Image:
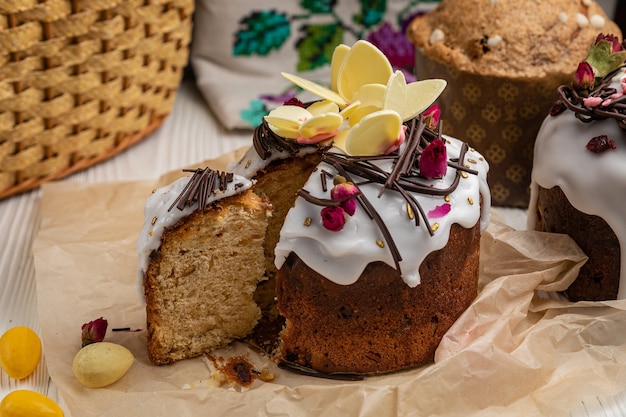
(330, 326)
(599, 277)
(513, 38)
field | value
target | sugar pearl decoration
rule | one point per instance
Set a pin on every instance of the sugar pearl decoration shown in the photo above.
(587, 2)
(494, 41)
(436, 36)
(597, 21)
(581, 20)
(563, 17)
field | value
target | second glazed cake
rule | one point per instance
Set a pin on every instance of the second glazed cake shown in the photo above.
(503, 61)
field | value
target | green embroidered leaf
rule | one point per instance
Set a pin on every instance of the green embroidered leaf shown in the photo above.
(316, 46)
(260, 32)
(255, 113)
(372, 12)
(318, 6)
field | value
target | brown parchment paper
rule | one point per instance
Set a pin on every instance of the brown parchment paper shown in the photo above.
(511, 353)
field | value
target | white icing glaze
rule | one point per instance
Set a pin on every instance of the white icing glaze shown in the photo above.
(157, 218)
(342, 256)
(593, 183)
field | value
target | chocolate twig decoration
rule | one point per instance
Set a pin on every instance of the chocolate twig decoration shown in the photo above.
(200, 186)
(265, 141)
(611, 108)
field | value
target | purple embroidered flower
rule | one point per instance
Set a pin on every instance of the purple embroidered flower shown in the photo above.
(345, 191)
(433, 161)
(279, 98)
(333, 218)
(94, 331)
(395, 45)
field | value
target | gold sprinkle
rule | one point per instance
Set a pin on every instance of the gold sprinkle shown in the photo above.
(481, 159)
(434, 227)
(248, 163)
(467, 166)
(307, 221)
(470, 200)
(446, 199)
(472, 149)
(464, 174)
(380, 243)
(409, 211)
(154, 190)
(154, 220)
(471, 161)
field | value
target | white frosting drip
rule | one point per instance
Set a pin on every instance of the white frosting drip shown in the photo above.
(593, 183)
(157, 218)
(342, 256)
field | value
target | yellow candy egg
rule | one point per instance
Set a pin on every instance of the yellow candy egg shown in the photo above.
(20, 351)
(100, 364)
(22, 403)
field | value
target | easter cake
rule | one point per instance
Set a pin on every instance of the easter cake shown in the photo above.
(503, 61)
(372, 243)
(578, 179)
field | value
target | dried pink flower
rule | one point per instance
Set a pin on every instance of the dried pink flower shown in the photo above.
(333, 218)
(439, 211)
(433, 161)
(584, 78)
(345, 191)
(432, 115)
(616, 45)
(94, 331)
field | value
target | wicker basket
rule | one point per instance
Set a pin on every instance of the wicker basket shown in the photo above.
(81, 80)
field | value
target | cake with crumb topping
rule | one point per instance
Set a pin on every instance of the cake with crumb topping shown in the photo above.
(578, 178)
(503, 61)
(371, 251)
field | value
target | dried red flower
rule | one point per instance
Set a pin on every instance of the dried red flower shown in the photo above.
(333, 218)
(616, 45)
(432, 115)
(433, 161)
(584, 78)
(294, 101)
(345, 191)
(94, 331)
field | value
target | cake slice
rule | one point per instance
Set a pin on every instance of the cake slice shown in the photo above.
(199, 283)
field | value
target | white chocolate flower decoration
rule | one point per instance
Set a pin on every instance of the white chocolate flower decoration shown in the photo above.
(375, 100)
(318, 122)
